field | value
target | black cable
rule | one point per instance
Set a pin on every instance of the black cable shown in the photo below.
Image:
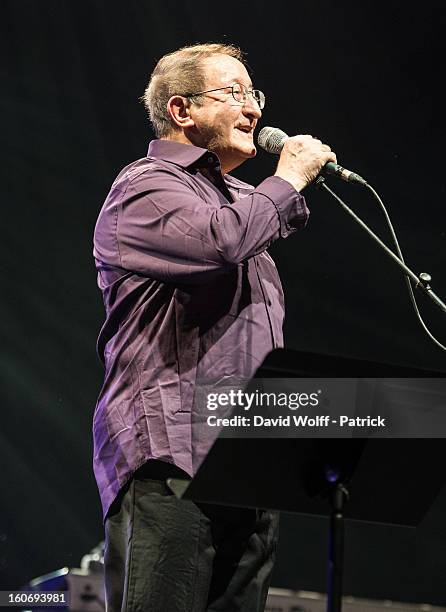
(406, 278)
(397, 258)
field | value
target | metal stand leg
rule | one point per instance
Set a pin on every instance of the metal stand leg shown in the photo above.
(336, 549)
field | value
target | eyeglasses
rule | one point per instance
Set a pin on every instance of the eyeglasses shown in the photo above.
(239, 93)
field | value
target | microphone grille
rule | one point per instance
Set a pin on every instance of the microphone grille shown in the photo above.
(271, 139)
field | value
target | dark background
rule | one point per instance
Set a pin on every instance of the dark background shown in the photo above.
(365, 78)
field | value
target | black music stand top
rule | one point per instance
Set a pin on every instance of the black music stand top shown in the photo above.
(393, 481)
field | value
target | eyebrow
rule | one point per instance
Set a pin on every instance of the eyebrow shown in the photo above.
(250, 86)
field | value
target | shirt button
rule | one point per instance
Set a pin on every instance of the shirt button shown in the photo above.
(211, 160)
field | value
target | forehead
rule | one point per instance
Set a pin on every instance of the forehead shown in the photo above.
(223, 69)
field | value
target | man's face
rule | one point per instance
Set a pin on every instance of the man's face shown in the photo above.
(224, 125)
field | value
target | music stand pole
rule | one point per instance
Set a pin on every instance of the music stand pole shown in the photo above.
(339, 495)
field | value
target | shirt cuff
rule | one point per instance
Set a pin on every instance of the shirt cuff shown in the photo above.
(289, 203)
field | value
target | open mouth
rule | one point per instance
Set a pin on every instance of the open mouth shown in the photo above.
(246, 130)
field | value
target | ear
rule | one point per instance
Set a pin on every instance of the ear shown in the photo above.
(178, 108)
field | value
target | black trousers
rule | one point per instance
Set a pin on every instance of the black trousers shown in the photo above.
(164, 554)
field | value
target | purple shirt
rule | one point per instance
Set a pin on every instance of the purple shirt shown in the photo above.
(190, 294)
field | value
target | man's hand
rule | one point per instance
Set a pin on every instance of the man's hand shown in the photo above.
(301, 160)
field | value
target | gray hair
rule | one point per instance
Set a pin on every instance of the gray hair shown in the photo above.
(179, 72)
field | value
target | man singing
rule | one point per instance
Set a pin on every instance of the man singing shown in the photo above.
(190, 294)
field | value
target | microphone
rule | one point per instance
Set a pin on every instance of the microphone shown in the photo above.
(272, 140)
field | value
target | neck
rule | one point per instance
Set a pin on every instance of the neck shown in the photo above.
(181, 137)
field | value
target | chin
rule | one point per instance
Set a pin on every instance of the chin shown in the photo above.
(246, 151)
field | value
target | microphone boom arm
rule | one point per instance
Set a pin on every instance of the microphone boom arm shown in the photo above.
(421, 281)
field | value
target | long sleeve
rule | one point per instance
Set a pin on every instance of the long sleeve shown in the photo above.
(166, 230)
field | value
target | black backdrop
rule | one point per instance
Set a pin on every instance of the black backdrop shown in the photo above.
(364, 77)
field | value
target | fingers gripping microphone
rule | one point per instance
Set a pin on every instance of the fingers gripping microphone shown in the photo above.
(272, 140)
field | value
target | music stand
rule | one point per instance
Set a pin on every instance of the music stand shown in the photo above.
(383, 482)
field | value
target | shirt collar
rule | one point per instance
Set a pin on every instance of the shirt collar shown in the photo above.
(183, 155)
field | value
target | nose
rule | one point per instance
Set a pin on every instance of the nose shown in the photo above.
(251, 108)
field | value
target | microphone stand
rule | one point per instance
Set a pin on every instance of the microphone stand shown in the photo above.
(421, 281)
(339, 493)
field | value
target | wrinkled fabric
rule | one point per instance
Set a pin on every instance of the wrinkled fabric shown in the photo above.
(190, 294)
(164, 554)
